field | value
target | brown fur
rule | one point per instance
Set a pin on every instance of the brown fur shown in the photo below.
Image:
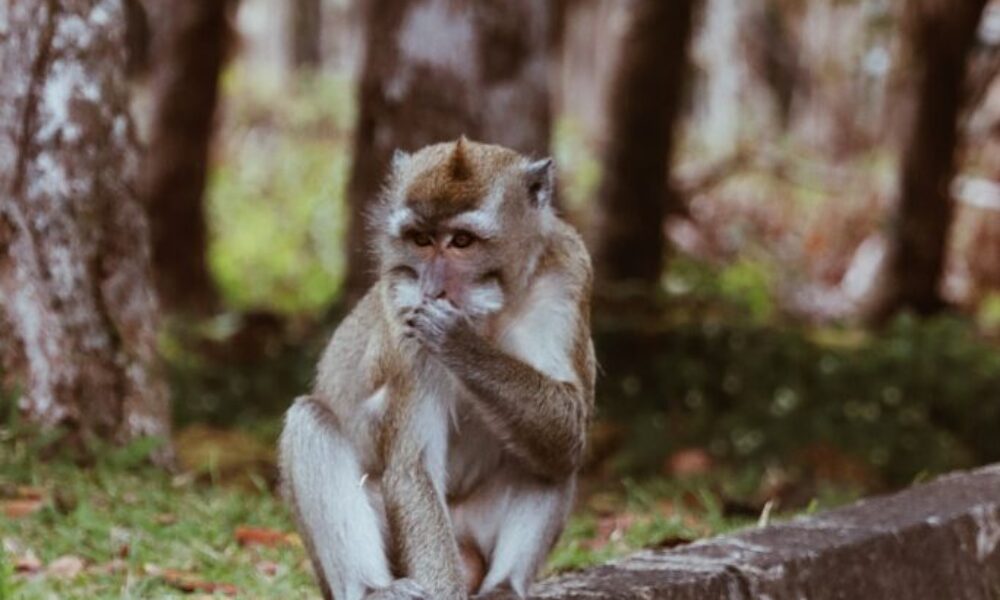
(434, 366)
(454, 177)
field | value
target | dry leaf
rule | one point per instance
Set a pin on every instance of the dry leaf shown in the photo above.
(189, 582)
(28, 563)
(20, 507)
(689, 461)
(30, 492)
(166, 519)
(260, 536)
(268, 567)
(65, 567)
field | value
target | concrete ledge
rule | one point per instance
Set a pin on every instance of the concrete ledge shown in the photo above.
(939, 541)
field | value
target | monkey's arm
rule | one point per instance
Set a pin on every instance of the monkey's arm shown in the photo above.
(421, 534)
(540, 420)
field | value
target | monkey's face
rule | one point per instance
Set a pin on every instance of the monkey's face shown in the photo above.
(462, 222)
(452, 259)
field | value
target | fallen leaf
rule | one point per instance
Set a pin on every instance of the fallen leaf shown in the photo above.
(30, 492)
(121, 540)
(27, 563)
(261, 536)
(20, 507)
(268, 567)
(65, 567)
(189, 582)
(689, 461)
(166, 519)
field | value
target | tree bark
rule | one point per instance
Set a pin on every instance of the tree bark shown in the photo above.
(645, 101)
(79, 311)
(438, 69)
(192, 52)
(941, 37)
(305, 31)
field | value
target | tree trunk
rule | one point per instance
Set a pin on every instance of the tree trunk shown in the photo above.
(437, 69)
(941, 36)
(644, 105)
(305, 33)
(79, 311)
(185, 85)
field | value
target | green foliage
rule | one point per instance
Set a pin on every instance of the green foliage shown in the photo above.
(216, 377)
(988, 314)
(275, 196)
(579, 169)
(128, 521)
(741, 291)
(654, 512)
(6, 577)
(122, 522)
(912, 400)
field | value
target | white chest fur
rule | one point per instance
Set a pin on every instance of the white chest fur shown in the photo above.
(541, 330)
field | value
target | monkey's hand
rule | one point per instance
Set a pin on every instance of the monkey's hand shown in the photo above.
(435, 323)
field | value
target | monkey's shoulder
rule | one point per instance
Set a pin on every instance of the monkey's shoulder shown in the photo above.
(354, 361)
(567, 255)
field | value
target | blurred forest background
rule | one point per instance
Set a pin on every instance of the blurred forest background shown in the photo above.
(793, 207)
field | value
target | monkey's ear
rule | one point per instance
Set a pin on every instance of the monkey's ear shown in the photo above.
(399, 159)
(541, 181)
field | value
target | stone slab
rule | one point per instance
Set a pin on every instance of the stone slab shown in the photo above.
(935, 541)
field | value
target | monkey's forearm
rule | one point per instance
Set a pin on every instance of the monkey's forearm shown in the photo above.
(425, 547)
(540, 420)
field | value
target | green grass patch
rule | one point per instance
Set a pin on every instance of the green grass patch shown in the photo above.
(135, 531)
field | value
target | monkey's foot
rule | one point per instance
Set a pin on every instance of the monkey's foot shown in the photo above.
(400, 589)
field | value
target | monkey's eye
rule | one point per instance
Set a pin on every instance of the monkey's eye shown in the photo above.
(462, 239)
(421, 239)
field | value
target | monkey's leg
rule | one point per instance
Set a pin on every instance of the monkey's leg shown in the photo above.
(338, 523)
(515, 524)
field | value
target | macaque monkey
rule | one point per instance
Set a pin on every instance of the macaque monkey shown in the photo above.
(436, 456)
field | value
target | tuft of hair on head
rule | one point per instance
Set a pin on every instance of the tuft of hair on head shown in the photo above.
(458, 164)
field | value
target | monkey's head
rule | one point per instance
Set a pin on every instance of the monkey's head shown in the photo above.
(463, 221)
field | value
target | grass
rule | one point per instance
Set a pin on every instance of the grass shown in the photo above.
(136, 528)
(139, 532)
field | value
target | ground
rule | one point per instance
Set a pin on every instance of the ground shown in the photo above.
(115, 527)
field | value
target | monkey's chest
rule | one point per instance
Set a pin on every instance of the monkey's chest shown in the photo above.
(474, 455)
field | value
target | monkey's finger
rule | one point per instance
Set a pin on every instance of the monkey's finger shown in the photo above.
(439, 311)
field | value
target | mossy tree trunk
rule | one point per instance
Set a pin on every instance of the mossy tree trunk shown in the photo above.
(305, 31)
(644, 106)
(941, 35)
(78, 312)
(188, 59)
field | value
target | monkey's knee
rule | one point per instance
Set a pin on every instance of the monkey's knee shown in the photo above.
(308, 424)
(322, 475)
